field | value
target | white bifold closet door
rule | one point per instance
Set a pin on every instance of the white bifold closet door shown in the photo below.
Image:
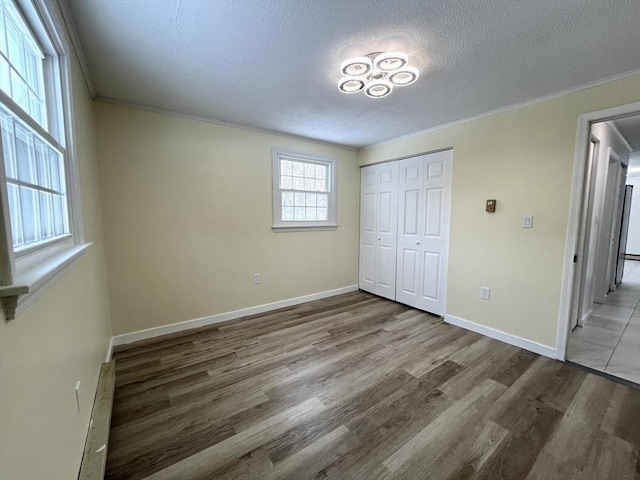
(423, 231)
(378, 229)
(404, 230)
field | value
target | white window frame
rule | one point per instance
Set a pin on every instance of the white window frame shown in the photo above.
(280, 225)
(24, 274)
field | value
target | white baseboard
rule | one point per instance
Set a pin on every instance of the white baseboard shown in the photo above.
(502, 336)
(127, 338)
(109, 350)
(585, 317)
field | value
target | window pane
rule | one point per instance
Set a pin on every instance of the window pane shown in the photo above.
(16, 50)
(321, 185)
(19, 91)
(310, 214)
(297, 169)
(5, 82)
(59, 215)
(299, 199)
(7, 147)
(46, 215)
(299, 213)
(310, 170)
(24, 156)
(285, 167)
(322, 199)
(32, 71)
(286, 182)
(14, 213)
(298, 183)
(287, 213)
(321, 171)
(3, 43)
(29, 210)
(57, 182)
(309, 184)
(287, 199)
(34, 107)
(311, 199)
(42, 163)
(322, 214)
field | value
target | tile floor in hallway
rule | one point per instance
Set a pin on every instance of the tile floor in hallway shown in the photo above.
(610, 339)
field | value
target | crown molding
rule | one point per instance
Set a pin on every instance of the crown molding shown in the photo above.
(74, 38)
(201, 118)
(507, 108)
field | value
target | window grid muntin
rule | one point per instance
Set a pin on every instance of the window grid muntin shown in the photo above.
(297, 178)
(42, 192)
(31, 80)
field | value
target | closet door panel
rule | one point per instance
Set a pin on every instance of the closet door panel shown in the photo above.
(431, 276)
(435, 234)
(409, 229)
(368, 228)
(387, 231)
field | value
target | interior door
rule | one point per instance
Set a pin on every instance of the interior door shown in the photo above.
(368, 227)
(434, 238)
(585, 243)
(624, 231)
(605, 235)
(410, 225)
(387, 230)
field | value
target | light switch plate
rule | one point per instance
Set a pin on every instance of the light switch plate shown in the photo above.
(485, 293)
(527, 221)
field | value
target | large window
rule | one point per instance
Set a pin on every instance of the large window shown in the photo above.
(41, 232)
(304, 191)
(21, 75)
(34, 160)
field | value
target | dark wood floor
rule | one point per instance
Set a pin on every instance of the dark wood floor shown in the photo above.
(357, 387)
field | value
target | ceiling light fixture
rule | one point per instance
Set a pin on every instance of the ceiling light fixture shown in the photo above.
(376, 74)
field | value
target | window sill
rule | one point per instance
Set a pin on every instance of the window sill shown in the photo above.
(303, 228)
(33, 272)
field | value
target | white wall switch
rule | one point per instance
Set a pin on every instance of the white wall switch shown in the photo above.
(256, 279)
(527, 221)
(485, 293)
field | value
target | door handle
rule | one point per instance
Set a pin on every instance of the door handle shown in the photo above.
(417, 243)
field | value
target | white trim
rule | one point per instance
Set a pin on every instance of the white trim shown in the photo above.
(331, 163)
(127, 338)
(508, 108)
(622, 139)
(109, 354)
(40, 274)
(74, 40)
(201, 118)
(585, 317)
(304, 228)
(577, 185)
(502, 336)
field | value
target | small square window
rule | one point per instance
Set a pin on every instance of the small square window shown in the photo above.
(304, 191)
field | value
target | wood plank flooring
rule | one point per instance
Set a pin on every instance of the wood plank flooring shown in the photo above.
(358, 387)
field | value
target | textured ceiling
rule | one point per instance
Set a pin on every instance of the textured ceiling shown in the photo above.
(273, 64)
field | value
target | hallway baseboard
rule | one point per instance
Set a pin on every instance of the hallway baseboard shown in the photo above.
(502, 336)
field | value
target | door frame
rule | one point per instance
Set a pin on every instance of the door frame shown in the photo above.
(575, 204)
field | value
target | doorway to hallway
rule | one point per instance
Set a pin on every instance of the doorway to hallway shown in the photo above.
(601, 328)
(609, 341)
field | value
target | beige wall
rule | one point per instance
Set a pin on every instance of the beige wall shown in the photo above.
(188, 214)
(524, 159)
(60, 339)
